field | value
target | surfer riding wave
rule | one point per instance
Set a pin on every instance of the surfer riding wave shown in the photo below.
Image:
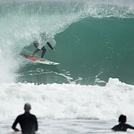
(41, 45)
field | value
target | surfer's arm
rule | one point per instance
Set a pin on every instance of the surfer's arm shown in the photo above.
(129, 126)
(50, 45)
(36, 124)
(14, 125)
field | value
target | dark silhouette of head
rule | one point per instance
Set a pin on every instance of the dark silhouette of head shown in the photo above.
(122, 118)
(27, 107)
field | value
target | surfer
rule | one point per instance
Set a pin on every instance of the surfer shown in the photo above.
(122, 126)
(28, 122)
(39, 46)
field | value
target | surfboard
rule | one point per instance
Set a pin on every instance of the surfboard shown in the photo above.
(39, 60)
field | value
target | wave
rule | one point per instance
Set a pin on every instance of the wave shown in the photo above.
(68, 101)
(22, 22)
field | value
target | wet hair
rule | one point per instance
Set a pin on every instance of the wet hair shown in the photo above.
(27, 106)
(122, 118)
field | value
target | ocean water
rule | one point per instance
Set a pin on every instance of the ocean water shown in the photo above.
(93, 84)
(69, 127)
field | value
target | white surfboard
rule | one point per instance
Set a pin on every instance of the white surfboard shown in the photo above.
(39, 60)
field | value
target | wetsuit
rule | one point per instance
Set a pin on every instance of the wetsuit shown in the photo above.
(122, 127)
(28, 123)
(37, 45)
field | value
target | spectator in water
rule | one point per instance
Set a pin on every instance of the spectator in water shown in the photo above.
(122, 126)
(28, 122)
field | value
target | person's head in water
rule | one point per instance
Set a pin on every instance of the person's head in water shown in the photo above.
(27, 107)
(122, 119)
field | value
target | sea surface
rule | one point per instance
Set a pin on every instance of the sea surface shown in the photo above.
(94, 82)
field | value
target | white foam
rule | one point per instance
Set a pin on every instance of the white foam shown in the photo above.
(61, 101)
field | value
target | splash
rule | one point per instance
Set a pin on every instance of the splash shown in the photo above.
(68, 101)
(20, 25)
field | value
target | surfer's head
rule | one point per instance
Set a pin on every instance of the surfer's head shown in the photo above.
(27, 107)
(122, 118)
(43, 35)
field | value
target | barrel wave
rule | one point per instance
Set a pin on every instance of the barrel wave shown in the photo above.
(94, 41)
(93, 84)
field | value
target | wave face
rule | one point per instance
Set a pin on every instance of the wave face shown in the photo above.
(94, 41)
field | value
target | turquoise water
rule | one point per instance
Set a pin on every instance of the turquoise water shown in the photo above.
(94, 46)
(94, 41)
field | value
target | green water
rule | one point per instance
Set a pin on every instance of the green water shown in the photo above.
(93, 41)
(95, 48)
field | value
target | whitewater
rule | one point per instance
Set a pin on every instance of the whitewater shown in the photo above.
(72, 97)
(68, 108)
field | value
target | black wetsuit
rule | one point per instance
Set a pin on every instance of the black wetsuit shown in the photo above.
(122, 127)
(28, 123)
